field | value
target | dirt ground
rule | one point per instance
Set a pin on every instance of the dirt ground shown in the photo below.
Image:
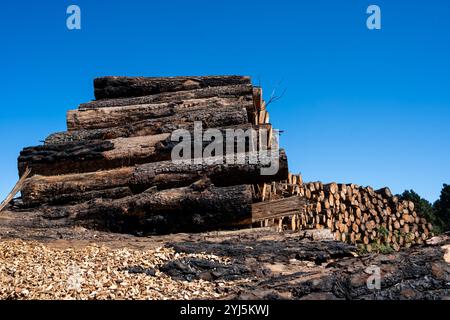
(41, 260)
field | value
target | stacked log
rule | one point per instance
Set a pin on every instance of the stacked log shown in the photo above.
(75, 187)
(121, 87)
(113, 167)
(355, 214)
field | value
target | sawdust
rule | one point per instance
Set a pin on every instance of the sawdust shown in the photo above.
(32, 270)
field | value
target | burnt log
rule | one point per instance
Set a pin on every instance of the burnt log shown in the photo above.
(189, 209)
(93, 155)
(117, 116)
(208, 117)
(122, 87)
(242, 169)
(418, 273)
(234, 91)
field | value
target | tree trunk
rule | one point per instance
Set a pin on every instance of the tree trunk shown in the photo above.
(209, 118)
(121, 87)
(189, 209)
(39, 190)
(88, 156)
(234, 91)
(118, 116)
(93, 155)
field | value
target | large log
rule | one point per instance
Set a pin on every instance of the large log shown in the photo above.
(198, 207)
(209, 118)
(234, 91)
(117, 116)
(121, 87)
(61, 189)
(93, 155)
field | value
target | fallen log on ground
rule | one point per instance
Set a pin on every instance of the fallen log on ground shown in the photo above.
(121, 87)
(117, 116)
(61, 189)
(416, 273)
(208, 117)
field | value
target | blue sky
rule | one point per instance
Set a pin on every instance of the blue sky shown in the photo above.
(370, 107)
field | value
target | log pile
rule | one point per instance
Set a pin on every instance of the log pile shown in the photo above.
(358, 215)
(113, 169)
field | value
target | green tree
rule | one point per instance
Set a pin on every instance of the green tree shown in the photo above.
(442, 207)
(423, 208)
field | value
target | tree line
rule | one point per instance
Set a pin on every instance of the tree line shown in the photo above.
(438, 213)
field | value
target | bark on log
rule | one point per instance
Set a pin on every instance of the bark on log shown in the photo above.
(108, 193)
(88, 156)
(93, 155)
(188, 209)
(210, 119)
(40, 190)
(121, 87)
(234, 91)
(118, 116)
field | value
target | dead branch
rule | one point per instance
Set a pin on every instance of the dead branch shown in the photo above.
(16, 189)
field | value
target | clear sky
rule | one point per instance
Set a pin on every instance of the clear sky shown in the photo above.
(370, 107)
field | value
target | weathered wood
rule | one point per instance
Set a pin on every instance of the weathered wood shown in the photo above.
(93, 155)
(107, 193)
(234, 91)
(258, 101)
(162, 175)
(117, 116)
(121, 87)
(17, 187)
(417, 274)
(199, 207)
(87, 156)
(277, 208)
(208, 117)
(40, 190)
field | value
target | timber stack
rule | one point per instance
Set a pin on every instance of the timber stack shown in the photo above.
(112, 168)
(355, 214)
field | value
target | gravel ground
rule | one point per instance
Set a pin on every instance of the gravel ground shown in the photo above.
(32, 270)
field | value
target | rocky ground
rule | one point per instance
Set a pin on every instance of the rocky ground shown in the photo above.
(39, 260)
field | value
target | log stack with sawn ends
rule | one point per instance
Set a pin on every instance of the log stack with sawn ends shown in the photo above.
(372, 219)
(112, 168)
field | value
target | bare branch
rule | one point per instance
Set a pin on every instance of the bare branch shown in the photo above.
(273, 96)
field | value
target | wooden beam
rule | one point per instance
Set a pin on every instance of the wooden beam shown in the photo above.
(16, 189)
(277, 208)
